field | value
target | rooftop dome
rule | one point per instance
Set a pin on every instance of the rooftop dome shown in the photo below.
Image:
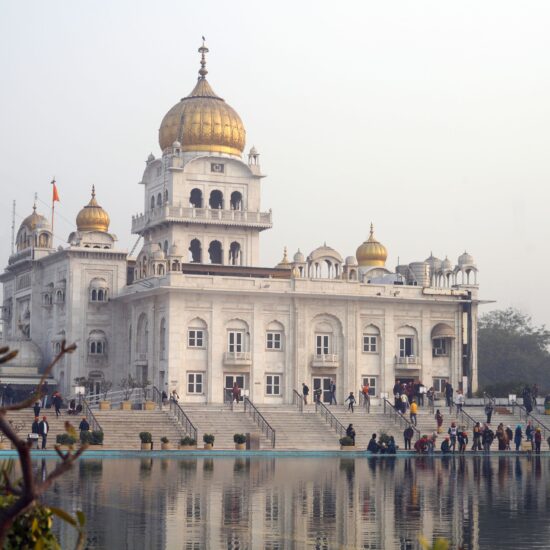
(446, 264)
(465, 259)
(92, 217)
(433, 262)
(203, 121)
(157, 253)
(371, 253)
(351, 260)
(299, 257)
(284, 263)
(324, 252)
(35, 221)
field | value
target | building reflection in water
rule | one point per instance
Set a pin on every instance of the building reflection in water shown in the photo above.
(237, 503)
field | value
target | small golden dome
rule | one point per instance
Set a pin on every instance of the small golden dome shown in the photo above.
(35, 221)
(202, 121)
(92, 217)
(284, 263)
(371, 253)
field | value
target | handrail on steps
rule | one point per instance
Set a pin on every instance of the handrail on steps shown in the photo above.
(466, 419)
(330, 418)
(260, 420)
(524, 415)
(397, 416)
(298, 400)
(228, 397)
(183, 419)
(92, 420)
(157, 397)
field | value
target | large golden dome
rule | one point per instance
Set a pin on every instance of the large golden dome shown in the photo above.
(202, 121)
(92, 217)
(371, 253)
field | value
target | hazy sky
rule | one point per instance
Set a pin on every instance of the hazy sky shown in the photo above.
(431, 119)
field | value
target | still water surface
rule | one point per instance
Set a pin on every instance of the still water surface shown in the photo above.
(275, 503)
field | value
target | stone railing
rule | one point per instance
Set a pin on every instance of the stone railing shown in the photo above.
(236, 358)
(325, 360)
(410, 360)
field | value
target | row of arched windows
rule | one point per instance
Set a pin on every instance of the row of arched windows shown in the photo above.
(216, 200)
(99, 290)
(215, 252)
(97, 343)
(159, 200)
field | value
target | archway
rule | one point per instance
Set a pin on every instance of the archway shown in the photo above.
(215, 252)
(216, 200)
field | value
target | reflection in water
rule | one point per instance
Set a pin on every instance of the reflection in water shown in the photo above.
(275, 503)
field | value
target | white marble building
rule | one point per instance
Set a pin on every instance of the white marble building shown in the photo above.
(195, 311)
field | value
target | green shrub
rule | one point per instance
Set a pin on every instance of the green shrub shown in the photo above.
(86, 437)
(164, 439)
(239, 438)
(188, 441)
(65, 439)
(347, 441)
(97, 437)
(146, 437)
(383, 438)
(208, 438)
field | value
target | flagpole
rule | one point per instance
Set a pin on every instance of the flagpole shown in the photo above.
(53, 206)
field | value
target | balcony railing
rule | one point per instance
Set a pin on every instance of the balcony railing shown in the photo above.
(185, 214)
(325, 360)
(236, 358)
(409, 360)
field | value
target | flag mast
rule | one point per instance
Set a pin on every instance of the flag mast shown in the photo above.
(55, 197)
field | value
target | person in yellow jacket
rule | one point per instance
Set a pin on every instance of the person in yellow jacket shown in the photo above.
(414, 410)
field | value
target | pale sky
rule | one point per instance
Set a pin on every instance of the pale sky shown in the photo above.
(429, 118)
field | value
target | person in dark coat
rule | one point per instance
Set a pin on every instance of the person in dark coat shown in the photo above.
(489, 411)
(333, 393)
(518, 436)
(449, 394)
(509, 437)
(538, 440)
(57, 403)
(35, 425)
(373, 446)
(392, 448)
(446, 445)
(305, 392)
(407, 436)
(84, 426)
(487, 438)
(36, 409)
(44, 430)
(350, 432)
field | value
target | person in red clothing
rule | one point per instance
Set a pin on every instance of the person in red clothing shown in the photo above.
(538, 440)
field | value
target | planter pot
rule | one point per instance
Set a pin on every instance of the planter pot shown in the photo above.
(240, 446)
(165, 446)
(95, 448)
(208, 446)
(5, 444)
(146, 446)
(150, 405)
(187, 447)
(347, 447)
(104, 405)
(126, 406)
(66, 447)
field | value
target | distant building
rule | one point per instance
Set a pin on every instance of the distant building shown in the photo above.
(196, 313)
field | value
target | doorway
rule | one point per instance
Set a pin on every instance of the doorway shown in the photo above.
(323, 383)
(242, 382)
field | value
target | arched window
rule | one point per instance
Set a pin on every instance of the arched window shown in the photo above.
(160, 269)
(196, 251)
(159, 200)
(236, 201)
(371, 339)
(99, 290)
(153, 202)
(163, 339)
(234, 253)
(97, 343)
(216, 199)
(195, 198)
(215, 252)
(59, 296)
(43, 240)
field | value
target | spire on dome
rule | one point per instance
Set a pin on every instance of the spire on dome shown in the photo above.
(203, 50)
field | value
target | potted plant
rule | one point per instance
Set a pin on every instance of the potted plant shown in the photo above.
(104, 387)
(187, 443)
(146, 441)
(347, 443)
(94, 440)
(65, 441)
(127, 385)
(240, 442)
(165, 443)
(144, 385)
(208, 441)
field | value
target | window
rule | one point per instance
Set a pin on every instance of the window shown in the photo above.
(440, 347)
(235, 342)
(406, 348)
(371, 381)
(370, 343)
(439, 384)
(195, 338)
(322, 346)
(163, 339)
(97, 343)
(273, 384)
(99, 290)
(194, 382)
(274, 341)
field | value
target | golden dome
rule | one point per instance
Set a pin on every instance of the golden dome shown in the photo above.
(35, 221)
(202, 121)
(92, 217)
(284, 263)
(371, 253)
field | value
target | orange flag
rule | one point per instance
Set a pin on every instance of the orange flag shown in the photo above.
(55, 196)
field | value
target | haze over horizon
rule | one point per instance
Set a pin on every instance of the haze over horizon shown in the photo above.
(429, 119)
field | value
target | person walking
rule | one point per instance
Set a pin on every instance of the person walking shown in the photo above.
(489, 408)
(449, 395)
(529, 431)
(407, 436)
(439, 421)
(44, 430)
(36, 409)
(518, 436)
(430, 394)
(501, 437)
(84, 426)
(35, 429)
(535, 394)
(477, 437)
(235, 392)
(350, 432)
(396, 393)
(509, 437)
(305, 392)
(333, 392)
(453, 432)
(404, 403)
(487, 438)
(366, 397)
(462, 439)
(57, 401)
(538, 440)
(459, 402)
(414, 410)
(351, 399)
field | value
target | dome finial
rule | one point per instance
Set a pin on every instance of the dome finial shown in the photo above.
(93, 191)
(203, 50)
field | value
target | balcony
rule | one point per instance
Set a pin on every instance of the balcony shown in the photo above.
(326, 360)
(180, 214)
(409, 360)
(237, 359)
